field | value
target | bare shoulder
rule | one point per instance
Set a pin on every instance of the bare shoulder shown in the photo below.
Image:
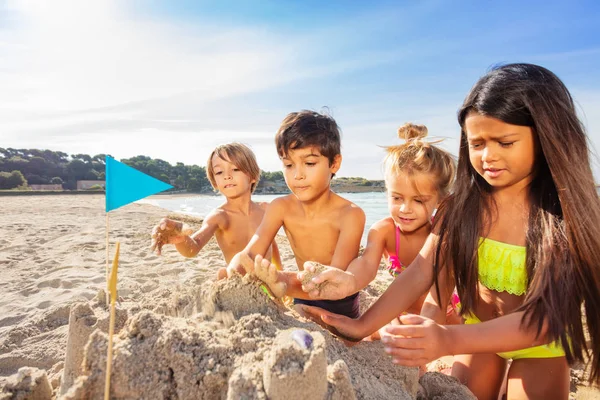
(383, 225)
(283, 202)
(217, 216)
(259, 207)
(275, 208)
(348, 208)
(262, 205)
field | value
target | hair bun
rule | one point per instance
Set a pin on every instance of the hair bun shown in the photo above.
(411, 131)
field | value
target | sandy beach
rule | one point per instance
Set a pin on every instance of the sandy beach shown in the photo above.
(179, 334)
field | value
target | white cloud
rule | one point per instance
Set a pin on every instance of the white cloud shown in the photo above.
(83, 55)
(93, 77)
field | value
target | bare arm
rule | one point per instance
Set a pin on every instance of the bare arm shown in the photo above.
(261, 240)
(192, 245)
(497, 335)
(351, 229)
(364, 268)
(404, 291)
(361, 271)
(434, 307)
(422, 340)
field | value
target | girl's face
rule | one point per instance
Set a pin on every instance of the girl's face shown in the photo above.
(411, 199)
(503, 154)
(231, 181)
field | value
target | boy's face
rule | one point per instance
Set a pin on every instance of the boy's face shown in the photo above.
(411, 199)
(231, 181)
(308, 173)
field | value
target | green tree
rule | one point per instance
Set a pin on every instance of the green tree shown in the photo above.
(179, 182)
(83, 157)
(91, 175)
(77, 169)
(194, 185)
(37, 165)
(34, 179)
(12, 180)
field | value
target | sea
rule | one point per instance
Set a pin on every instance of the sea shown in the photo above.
(374, 204)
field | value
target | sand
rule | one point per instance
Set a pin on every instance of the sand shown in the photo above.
(179, 333)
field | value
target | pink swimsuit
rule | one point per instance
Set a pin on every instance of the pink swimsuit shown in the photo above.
(395, 266)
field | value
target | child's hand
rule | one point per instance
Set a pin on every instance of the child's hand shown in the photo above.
(268, 273)
(168, 231)
(331, 284)
(419, 341)
(340, 325)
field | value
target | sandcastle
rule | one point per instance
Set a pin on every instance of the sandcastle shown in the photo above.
(232, 341)
(223, 340)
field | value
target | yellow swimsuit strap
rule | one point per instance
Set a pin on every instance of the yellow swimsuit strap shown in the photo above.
(502, 266)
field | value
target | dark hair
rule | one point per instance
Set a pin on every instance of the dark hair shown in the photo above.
(563, 234)
(308, 128)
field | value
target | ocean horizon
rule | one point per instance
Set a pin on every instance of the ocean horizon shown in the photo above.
(374, 204)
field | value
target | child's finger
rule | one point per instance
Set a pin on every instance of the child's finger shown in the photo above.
(393, 342)
(272, 270)
(412, 319)
(247, 263)
(257, 262)
(326, 276)
(309, 266)
(412, 331)
(310, 288)
(163, 223)
(314, 311)
(410, 362)
(405, 354)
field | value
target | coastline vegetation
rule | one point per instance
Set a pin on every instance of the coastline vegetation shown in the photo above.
(21, 168)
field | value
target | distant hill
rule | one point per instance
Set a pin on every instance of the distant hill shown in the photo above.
(20, 168)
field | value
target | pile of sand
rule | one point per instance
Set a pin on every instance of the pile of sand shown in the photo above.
(234, 342)
(223, 340)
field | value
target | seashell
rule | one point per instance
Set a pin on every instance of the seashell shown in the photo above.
(303, 338)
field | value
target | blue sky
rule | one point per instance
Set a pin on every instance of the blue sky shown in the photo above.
(172, 79)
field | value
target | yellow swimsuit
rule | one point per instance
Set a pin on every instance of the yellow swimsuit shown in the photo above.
(502, 267)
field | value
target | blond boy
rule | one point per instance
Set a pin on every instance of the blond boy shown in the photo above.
(232, 171)
(320, 225)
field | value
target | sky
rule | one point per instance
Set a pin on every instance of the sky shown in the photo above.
(173, 79)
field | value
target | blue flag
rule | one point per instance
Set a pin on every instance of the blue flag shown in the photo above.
(125, 184)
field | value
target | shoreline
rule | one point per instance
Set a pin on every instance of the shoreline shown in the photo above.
(173, 195)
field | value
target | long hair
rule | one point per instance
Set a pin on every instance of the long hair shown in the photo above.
(563, 233)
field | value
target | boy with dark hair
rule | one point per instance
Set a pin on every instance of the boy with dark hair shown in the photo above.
(320, 225)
